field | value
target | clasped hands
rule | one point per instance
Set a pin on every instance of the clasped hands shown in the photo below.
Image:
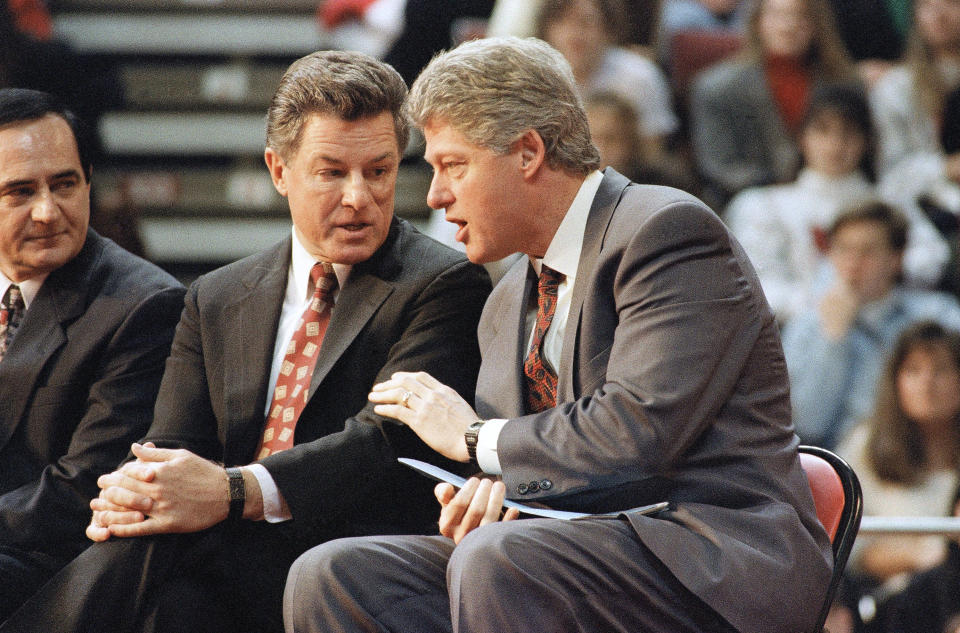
(162, 491)
(440, 417)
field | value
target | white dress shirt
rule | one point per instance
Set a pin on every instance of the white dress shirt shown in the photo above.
(295, 301)
(563, 256)
(28, 288)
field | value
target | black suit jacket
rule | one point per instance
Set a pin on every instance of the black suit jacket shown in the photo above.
(414, 305)
(672, 387)
(76, 387)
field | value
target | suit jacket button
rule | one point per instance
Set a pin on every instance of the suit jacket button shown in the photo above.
(522, 489)
(546, 484)
(533, 486)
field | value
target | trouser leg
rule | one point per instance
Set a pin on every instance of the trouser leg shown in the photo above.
(21, 575)
(567, 576)
(394, 584)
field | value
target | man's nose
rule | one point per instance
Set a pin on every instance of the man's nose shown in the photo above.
(438, 197)
(356, 192)
(45, 207)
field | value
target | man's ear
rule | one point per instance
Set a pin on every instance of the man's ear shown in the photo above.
(532, 152)
(276, 167)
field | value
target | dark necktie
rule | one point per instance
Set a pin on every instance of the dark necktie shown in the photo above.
(11, 313)
(541, 379)
(293, 383)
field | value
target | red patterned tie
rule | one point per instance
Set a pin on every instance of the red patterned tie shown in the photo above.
(541, 379)
(293, 382)
(11, 313)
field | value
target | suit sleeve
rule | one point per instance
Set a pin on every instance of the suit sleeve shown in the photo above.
(685, 319)
(53, 510)
(356, 468)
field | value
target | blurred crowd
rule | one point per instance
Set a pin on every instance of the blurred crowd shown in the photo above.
(826, 133)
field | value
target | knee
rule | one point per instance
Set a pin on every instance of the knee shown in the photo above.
(316, 567)
(497, 550)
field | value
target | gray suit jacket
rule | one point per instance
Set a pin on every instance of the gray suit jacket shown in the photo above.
(672, 387)
(76, 387)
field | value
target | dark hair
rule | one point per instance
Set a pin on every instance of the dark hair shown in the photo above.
(347, 84)
(895, 447)
(614, 14)
(22, 104)
(875, 211)
(847, 100)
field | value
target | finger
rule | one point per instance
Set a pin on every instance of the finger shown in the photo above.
(111, 518)
(444, 492)
(152, 453)
(452, 514)
(498, 491)
(477, 511)
(386, 385)
(97, 533)
(511, 514)
(395, 411)
(390, 396)
(139, 470)
(100, 504)
(144, 528)
(127, 498)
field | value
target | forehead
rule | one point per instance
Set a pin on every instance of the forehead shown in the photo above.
(29, 149)
(444, 139)
(327, 136)
(862, 231)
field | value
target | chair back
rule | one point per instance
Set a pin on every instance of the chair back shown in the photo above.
(839, 504)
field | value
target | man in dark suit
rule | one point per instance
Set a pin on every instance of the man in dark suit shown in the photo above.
(646, 369)
(84, 330)
(188, 545)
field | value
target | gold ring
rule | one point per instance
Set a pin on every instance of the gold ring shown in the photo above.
(406, 397)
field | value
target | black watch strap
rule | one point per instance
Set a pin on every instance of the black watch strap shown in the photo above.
(471, 436)
(238, 493)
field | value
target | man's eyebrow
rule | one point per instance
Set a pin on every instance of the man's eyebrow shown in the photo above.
(376, 159)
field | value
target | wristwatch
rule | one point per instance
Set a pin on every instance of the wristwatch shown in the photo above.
(238, 494)
(471, 436)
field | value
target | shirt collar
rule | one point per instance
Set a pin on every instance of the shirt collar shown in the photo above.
(28, 288)
(300, 264)
(563, 254)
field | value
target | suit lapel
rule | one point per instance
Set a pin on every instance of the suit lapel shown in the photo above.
(601, 211)
(357, 302)
(61, 299)
(250, 331)
(501, 382)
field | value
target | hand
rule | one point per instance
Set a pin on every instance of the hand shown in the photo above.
(838, 309)
(478, 503)
(173, 490)
(434, 411)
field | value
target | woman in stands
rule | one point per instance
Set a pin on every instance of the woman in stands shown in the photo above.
(745, 113)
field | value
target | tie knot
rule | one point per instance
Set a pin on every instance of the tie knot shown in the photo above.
(549, 280)
(324, 279)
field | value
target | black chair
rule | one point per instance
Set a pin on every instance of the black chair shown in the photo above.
(839, 503)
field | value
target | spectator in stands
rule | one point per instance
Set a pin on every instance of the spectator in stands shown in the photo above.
(907, 456)
(587, 33)
(929, 603)
(909, 101)
(613, 128)
(717, 16)
(249, 460)
(745, 113)
(783, 227)
(835, 348)
(81, 351)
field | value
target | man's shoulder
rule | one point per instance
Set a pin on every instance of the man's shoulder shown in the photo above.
(104, 267)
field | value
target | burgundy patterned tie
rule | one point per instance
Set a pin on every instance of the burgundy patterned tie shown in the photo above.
(11, 313)
(293, 383)
(541, 379)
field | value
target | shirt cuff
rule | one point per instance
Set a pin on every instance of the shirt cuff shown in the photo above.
(487, 446)
(272, 506)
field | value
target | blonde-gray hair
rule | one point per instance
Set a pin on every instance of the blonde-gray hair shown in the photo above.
(493, 90)
(346, 84)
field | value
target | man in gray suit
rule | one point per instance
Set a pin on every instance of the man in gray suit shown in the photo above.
(84, 330)
(643, 366)
(253, 456)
